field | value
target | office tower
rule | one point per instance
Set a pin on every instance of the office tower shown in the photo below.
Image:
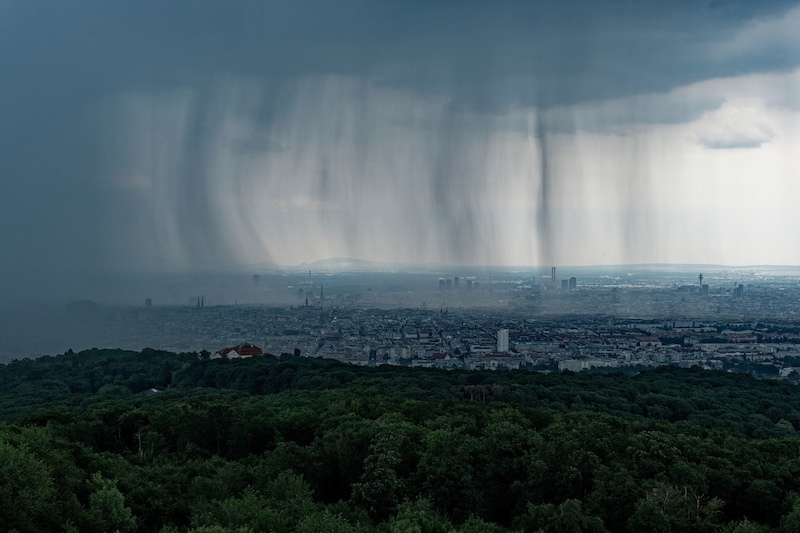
(148, 302)
(256, 279)
(573, 283)
(455, 282)
(441, 284)
(502, 341)
(564, 284)
(449, 284)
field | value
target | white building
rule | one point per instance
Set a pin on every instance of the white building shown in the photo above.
(502, 341)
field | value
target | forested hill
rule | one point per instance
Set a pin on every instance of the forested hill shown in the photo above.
(111, 440)
(756, 408)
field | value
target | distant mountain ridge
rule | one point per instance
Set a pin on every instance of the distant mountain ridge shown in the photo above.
(351, 263)
(343, 263)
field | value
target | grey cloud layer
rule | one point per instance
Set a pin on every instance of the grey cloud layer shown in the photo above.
(60, 59)
(485, 53)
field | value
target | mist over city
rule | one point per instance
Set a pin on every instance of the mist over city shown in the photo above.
(161, 151)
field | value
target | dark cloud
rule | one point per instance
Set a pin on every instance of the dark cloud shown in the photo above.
(485, 53)
(62, 60)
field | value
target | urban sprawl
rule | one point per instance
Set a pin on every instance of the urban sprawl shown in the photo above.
(742, 321)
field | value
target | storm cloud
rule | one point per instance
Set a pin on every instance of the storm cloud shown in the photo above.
(191, 135)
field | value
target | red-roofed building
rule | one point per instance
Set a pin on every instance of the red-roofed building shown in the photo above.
(242, 350)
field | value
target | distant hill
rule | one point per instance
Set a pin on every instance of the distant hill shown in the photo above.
(350, 263)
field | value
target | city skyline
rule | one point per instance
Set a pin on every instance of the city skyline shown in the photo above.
(200, 136)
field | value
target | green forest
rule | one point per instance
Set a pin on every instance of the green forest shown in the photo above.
(152, 441)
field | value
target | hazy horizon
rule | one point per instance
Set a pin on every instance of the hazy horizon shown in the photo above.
(173, 311)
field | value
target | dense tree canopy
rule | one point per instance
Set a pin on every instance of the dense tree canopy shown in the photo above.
(300, 444)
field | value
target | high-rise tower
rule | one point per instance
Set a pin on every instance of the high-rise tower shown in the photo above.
(502, 341)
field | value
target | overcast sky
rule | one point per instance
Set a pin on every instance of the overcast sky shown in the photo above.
(196, 135)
